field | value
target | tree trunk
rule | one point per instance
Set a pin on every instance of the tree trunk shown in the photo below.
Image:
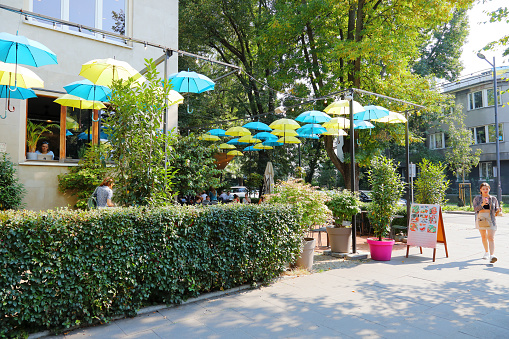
(343, 167)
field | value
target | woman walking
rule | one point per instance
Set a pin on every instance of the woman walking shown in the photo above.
(105, 193)
(486, 207)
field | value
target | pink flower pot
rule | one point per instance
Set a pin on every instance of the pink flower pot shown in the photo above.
(380, 250)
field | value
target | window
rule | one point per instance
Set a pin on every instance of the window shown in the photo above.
(485, 170)
(492, 133)
(480, 135)
(486, 134)
(484, 98)
(107, 15)
(438, 140)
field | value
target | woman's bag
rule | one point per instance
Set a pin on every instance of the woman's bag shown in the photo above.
(92, 201)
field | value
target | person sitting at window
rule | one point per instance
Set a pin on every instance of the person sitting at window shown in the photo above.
(45, 149)
(105, 193)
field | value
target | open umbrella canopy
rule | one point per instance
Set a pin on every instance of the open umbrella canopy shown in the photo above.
(85, 135)
(69, 100)
(272, 143)
(234, 153)
(208, 137)
(392, 118)
(265, 136)
(261, 146)
(342, 107)
(175, 97)
(251, 149)
(313, 117)
(237, 131)
(87, 90)
(335, 131)
(18, 93)
(18, 76)
(104, 71)
(309, 136)
(226, 146)
(190, 82)
(371, 112)
(217, 131)
(249, 139)
(17, 49)
(337, 123)
(361, 124)
(259, 126)
(289, 140)
(284, 124)
(285, 133)
(311, 129)
(236, 142)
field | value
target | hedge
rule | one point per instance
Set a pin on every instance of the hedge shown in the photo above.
(65, 268)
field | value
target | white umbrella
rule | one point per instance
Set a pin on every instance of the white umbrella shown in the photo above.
(268, 178)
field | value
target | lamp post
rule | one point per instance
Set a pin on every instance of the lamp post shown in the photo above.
(497, 143)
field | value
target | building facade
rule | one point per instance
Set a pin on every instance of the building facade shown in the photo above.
(475, 93)
(149, 20)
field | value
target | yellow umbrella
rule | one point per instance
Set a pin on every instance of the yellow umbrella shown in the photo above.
(392, 118)
(289, 140)
(260, 146)
(337, 123)
(284, 132)
(334, 131)
(249, 139)
(226, 146)
(208, 137)
(12, 75)
(284, 124)
(175, 97)
(69, 100)
(237, 131)
(104, 71)
(342, 107)
(235, 153)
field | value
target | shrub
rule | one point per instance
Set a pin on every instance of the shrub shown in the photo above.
(343, 204)
(431, 184)
(63, 268)
(11, 191)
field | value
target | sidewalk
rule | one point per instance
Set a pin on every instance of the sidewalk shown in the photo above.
(461, 296)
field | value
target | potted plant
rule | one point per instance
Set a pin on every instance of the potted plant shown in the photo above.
(387, 189)
(343, 205)
(312, 211)
(34, 134)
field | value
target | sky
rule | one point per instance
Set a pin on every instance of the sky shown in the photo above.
(481, 34)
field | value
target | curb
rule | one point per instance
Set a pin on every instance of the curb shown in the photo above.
(460, 212)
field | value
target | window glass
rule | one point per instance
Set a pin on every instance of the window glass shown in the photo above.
(51, 8)
(485, 170)
(43, 111)
(82, 12)
(113, 16)
(447, 140)
(480, 133)
(470, 101)
(439, 141)
(473, 135)
(79, 132)
(478, 99)
(491, 97)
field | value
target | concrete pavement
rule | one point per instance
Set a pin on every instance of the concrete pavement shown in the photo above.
(461, 296)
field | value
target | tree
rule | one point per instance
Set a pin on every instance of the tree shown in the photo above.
(500, 15)
(119, 18)
(431, 184)
(460, 156)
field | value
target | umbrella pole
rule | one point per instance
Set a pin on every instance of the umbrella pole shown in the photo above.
(352, 174)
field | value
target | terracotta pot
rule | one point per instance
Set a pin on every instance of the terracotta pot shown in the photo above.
(380, 250)
(340, 239)
(306, 257)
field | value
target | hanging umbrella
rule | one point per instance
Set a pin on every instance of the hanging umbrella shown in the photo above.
(85, 135)
(87, 90)
(313, 117)
(236, 142)
(342, 107)
(361, 124)
(311, 129)
(18, 76)
(259, 126)
(265, 136)
(371, 112)
(285, 132)
(217, 131)
(251, 149)
(68, 133)
(392, 118)
(262, 146)
(237, 131)
(249, 139)
(284, 124)
(334, 131)
(104, 71)
(18, 93)
(190, 82)
(70, 123)
(337, 123)
(234, 153)
(175, 97)
(309, 136)
(226, 146)
(289, 140)
(69, 100)
(268, 178)
(17, 49)
(208, 137)
(272, 143)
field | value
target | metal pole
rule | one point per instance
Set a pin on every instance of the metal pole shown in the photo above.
(165, 119)
(352, 170)
(407, 156)
(497, 143)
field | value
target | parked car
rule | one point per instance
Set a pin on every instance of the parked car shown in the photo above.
(365, 196)
(241, 192)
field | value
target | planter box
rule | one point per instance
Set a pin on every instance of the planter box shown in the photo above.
(340, 239)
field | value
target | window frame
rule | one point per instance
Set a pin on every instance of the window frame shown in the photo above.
(433, 140)
(484, 168)
(484, 99)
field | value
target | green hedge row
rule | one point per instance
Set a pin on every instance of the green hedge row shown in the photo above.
(63, 268)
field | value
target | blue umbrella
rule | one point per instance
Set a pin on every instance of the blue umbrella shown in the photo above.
(236, 142)
(217, 132)
(371, 112)
(87, 90)
(313, 117)
(362, 124)
(312, 129)
(190, 82)
(84, 135)
(18, 93)
(259, 126)
(309, 136)
(272, 143)
(67, 133)
(265, 136)
(17, 49)
(251, 148)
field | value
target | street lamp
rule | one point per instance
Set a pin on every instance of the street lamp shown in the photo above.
(499, 185)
